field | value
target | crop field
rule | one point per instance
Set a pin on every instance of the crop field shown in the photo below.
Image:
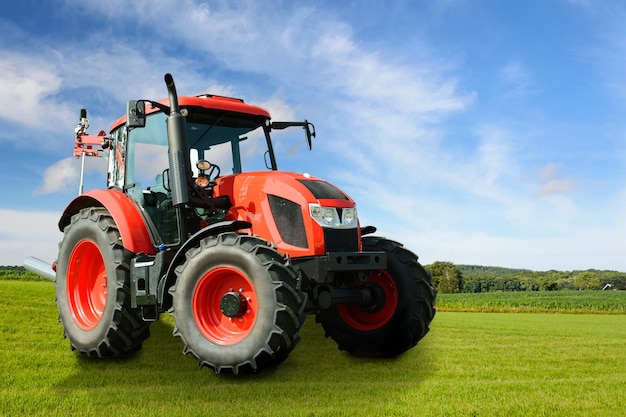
(612, 302)
(470, 364)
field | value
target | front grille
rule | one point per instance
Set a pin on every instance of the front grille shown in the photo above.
(341, 240)
(288, 218)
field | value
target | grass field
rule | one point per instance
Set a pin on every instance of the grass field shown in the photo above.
(470, 364)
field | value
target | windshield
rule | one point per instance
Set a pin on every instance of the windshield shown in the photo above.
(141, 158)
(210, 136)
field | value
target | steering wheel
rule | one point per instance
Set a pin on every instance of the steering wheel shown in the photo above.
(213, 172)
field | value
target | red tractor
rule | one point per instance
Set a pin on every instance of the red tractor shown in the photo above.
(238, 260)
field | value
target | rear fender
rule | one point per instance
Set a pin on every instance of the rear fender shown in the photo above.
(132, 228)
(213, 229)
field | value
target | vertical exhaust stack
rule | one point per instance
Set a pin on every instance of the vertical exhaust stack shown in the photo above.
(178, 146)
(178, 154)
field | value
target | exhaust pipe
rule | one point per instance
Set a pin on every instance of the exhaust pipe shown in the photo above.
(178, 146)
(40, 268)
(178, 154)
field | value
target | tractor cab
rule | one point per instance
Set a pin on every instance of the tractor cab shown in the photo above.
(214, 128)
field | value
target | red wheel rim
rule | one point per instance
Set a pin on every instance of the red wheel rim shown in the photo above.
(86, 284)
(215, 326)
(358, 318)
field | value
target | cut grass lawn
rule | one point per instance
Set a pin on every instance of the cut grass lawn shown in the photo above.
(470, 364)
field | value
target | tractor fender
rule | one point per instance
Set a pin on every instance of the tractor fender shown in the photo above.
(211, 230)
(130, 223)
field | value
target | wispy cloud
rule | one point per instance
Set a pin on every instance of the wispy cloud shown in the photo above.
(551, 183)
(517, 79)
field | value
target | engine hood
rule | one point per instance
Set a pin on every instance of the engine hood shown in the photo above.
(278, 205)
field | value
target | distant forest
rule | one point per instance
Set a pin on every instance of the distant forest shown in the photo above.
(451, 278)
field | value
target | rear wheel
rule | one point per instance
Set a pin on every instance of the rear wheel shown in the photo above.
(401, 314)
(236, 304)
(92, 288)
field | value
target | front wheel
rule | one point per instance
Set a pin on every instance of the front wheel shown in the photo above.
(236, 304)
(401, 315)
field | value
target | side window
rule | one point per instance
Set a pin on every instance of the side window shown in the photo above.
(117, 158)
(147, 153)
(147, 159)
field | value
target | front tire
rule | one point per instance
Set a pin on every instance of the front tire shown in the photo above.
(402, 315)
(236, 304)
(92, 288)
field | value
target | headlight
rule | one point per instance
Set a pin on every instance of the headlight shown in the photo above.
(349, 217)
(333, 217)
(329, 216)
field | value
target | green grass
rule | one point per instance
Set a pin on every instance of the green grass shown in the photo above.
(470, 364)
(611, 302)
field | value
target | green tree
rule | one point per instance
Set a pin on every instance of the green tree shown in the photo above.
(528, 283)
(587, 280)
(616, 279)
(447, 277)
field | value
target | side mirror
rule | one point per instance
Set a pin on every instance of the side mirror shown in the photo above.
(136, 113)
(309, 134)
(308, 127)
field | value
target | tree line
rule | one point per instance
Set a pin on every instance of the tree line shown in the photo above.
(18, 273)
(451, 278)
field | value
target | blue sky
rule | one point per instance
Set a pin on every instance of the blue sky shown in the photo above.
(476, 132)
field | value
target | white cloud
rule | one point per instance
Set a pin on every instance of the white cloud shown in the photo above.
(28, 233)
(60, 176)
(278, 108)
(27, 89)
(581, 248)
(64, 175)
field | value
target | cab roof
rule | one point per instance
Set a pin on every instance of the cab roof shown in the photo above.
(209, 102)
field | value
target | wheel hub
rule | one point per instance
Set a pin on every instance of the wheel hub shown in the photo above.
(377, 301)
(233, 304)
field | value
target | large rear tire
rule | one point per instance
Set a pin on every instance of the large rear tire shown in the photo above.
(402, 314)
(92, 288)
(236, 304)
